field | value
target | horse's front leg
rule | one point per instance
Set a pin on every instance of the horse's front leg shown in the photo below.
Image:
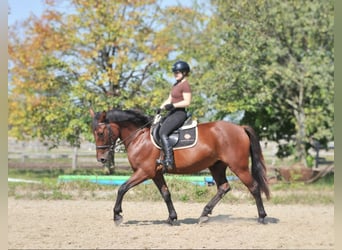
(159, 180)
(134, 180)
(117, 207)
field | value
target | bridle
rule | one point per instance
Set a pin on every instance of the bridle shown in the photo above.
(111, 146)
(110, 157)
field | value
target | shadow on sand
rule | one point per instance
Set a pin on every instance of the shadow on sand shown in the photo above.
(223, 219)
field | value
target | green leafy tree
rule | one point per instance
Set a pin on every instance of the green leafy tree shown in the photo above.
(274, 60)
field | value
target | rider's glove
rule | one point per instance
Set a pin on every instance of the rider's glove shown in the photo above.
(169, 106)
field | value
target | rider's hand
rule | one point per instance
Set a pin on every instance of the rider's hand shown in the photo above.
(169, 106)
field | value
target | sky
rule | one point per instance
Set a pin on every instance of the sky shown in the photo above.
(22, 9)
(19, 10)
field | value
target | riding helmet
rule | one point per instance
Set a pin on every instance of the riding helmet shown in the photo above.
(181, 66)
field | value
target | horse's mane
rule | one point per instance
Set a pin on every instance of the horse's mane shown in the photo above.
(130, 115)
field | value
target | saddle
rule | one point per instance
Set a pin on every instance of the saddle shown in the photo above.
(183, 137)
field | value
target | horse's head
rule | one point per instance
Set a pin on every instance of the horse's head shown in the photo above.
(105, 135)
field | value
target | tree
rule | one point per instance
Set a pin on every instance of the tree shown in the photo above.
(276, 65)
(99, 54)
(270, 60)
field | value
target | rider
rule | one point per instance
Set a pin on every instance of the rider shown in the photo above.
(178, 99)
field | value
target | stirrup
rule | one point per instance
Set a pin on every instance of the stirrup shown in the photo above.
(166, 167)
(169, 165)
(159, 162)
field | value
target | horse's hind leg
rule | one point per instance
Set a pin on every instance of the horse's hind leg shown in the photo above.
(218, 171)
(253, 187)
(159, 180)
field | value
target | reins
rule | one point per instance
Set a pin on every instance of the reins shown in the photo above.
(112, 145)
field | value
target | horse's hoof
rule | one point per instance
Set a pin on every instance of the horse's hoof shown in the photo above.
(170, 221)
(118, 220)
(262, 221)
(203, 219)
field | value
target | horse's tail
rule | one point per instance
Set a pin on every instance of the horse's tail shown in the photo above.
(258, 164)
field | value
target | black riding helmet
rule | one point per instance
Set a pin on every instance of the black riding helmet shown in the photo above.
(181, 66)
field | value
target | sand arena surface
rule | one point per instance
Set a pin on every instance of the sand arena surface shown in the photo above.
(80, 224)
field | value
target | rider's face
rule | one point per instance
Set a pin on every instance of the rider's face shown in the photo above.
(178, 75)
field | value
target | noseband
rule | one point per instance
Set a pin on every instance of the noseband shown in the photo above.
(112, 142)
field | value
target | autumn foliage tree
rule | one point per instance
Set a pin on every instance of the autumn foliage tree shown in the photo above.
(101, 54)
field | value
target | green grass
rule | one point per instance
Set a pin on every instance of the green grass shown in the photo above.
(320, 192)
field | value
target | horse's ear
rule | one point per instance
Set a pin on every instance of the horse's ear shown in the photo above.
(102, 117)
(92, 113)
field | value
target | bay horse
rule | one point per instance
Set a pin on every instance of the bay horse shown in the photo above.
(220, 144)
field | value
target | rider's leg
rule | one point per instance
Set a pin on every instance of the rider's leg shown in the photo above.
(173, 121)
(168, 161)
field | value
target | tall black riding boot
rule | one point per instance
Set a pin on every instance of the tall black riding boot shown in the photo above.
(168, 161)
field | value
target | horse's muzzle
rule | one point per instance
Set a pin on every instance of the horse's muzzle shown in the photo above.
(102, 157)
(102, 160)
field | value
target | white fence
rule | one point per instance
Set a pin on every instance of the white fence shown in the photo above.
(22, 152)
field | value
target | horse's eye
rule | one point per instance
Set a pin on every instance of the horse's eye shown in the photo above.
(100, 134)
